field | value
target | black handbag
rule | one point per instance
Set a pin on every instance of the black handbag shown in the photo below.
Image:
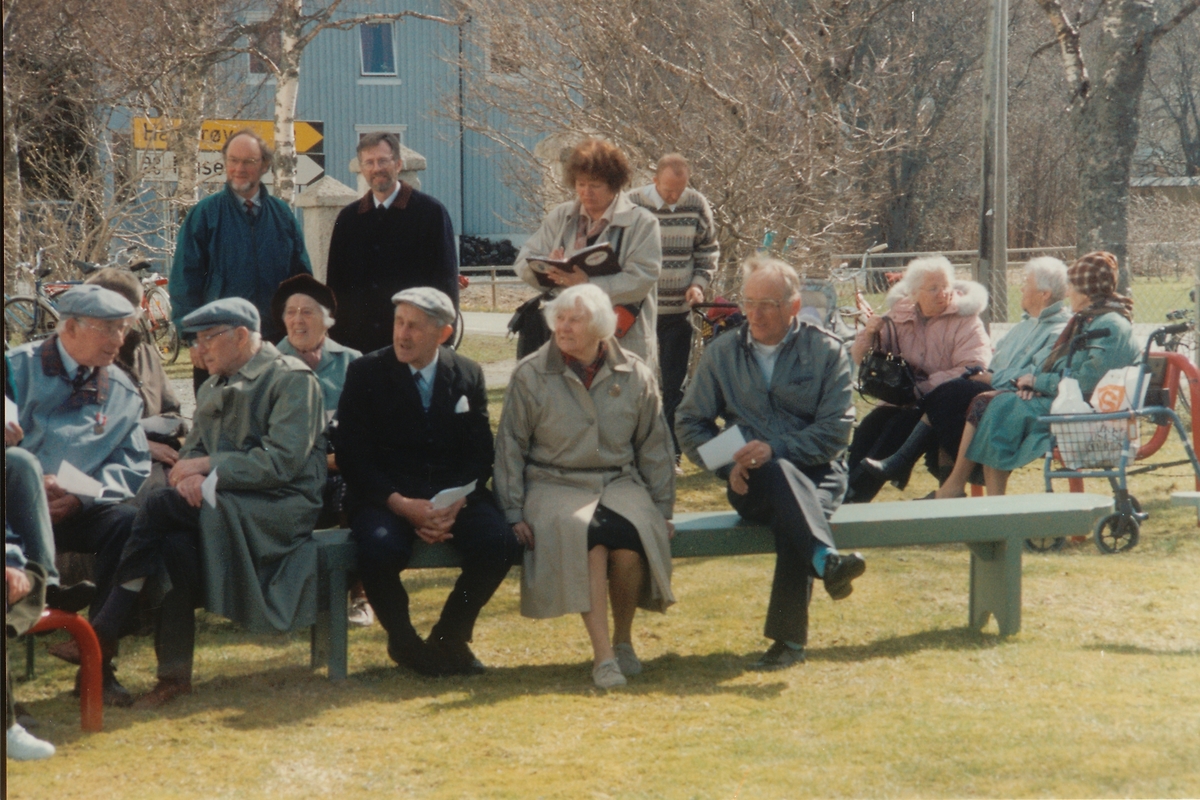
(885, 375)
(528, 324)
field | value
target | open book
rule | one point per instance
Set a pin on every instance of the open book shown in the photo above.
(599, 259)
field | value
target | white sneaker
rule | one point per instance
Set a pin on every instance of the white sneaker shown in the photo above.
(24, 746)
(607, 674)
(361, 614)
(627, 660)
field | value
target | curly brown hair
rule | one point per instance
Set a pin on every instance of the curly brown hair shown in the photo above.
(600, 159)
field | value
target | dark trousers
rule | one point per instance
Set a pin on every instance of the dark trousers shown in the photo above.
(880, 434)
(797, 504)
(482, 538)
(674, 349)
(199, 376)
(165, 542)
(102, 529)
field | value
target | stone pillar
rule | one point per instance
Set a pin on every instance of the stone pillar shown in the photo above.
(414, 162)
(319, 204)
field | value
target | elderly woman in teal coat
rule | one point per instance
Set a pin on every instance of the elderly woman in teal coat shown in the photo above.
(1002, 431)
(305, 308)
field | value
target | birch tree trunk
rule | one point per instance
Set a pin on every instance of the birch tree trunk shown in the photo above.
(287, 89)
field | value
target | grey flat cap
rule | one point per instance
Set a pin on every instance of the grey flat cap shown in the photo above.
(433, 302)
(89, 300)
(233, 311)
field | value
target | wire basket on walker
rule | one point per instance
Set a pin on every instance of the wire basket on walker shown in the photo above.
(1105, 444)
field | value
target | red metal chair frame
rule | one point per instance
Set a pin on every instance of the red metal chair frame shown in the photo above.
(91, 682)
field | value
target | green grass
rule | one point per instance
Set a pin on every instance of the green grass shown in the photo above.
(1097, 696)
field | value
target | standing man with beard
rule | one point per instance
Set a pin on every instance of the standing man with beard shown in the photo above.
(394, 238)
(239, 242)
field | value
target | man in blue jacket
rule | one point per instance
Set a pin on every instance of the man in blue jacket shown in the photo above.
(239, 242)
(786, 385)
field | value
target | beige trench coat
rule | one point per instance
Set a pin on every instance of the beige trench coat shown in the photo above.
(561, 450)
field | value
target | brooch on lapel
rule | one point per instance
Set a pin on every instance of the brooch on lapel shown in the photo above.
(615, 390)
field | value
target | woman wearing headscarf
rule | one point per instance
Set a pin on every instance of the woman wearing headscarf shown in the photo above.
(1002, 431)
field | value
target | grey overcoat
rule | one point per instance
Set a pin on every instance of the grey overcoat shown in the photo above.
(561, 450)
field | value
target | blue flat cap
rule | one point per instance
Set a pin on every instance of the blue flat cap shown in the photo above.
(433, 302)
(89, 300)
(232, 311)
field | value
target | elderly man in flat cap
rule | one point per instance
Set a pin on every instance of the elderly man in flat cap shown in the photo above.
(234, 530)
(79, 418)
(413, 422)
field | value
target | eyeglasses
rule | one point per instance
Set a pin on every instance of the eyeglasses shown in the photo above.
(242, 162)
(766, 305)
(205, 340)
(372, 163)
(115, 329)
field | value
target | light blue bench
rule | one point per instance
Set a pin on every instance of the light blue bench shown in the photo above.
(994, 528)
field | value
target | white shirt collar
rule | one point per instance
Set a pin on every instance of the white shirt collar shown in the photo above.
(69, 364)
(390, 199)
(652, 192)
(429, 371)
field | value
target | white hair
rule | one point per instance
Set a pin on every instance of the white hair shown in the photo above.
(326, 317)
(592, 300)
(1049, 275)
(780, 270)
(916, 272)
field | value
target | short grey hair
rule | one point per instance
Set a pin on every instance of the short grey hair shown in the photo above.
(1049, 275)
(780, 270)
(591, 299)
(915, 273)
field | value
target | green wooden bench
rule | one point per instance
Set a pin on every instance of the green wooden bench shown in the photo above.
(994, 528)
(1187, 499)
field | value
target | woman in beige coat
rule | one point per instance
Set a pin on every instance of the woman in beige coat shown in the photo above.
(585, 475)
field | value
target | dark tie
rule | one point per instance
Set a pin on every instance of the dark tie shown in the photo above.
(250, 208)
(81, 376)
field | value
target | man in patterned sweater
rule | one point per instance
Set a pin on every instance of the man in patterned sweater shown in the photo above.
(690, 254)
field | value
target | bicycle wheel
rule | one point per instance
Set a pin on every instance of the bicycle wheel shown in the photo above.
(27, 319)
(158, 321)
(460, 330)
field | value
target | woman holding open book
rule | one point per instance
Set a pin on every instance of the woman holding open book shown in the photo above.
(584, 474)
(601, 214)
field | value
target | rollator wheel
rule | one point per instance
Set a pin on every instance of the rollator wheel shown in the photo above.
(1117, 533)
(1047, 544)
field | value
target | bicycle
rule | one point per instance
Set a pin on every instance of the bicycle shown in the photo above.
(856, 316)
(1183, 342)
(30, 318)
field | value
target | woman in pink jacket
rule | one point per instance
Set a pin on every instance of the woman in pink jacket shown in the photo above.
(938, 331)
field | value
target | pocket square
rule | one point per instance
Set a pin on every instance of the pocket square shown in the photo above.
(462, 406)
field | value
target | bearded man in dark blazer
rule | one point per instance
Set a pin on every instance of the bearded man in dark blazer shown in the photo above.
(391, 239)
(412, 422)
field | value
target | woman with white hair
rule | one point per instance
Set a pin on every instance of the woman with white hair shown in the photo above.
(585, 474)
(937, 329)
(304, 307)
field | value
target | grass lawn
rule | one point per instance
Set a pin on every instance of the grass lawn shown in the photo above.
(1097, 696)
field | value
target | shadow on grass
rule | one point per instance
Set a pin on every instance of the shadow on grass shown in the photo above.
(946, 639)
(1138, 650)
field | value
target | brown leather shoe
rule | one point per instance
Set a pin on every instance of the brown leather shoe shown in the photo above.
(164, 692)
(68, 651)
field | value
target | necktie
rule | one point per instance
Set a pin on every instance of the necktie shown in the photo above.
(250, 208)
(81, 376)
(425, 390)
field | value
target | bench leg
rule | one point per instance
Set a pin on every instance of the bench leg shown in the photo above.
(338, 642)
(996, 585)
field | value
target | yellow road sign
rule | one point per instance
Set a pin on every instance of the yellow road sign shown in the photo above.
(150, 133)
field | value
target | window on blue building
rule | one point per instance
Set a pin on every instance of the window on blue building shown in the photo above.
(378, 53)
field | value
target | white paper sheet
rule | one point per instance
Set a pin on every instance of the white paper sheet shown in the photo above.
(163, 426)
(11, 413)
(718, 451)
(329, 415)
(75, 482)
(208, 489)
(448, 497)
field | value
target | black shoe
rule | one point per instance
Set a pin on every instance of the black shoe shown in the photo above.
(778, 656)
(115, 695)
(70, 598)
(414, 654)
(840, 570)
(877, 468)
(456, 655)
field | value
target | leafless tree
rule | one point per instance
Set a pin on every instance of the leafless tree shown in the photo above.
(1105, 79)
(1170, 142)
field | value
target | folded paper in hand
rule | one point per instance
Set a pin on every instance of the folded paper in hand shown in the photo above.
(208, 489)
(718, 451)
(448, 497)
(73, 481)
(11, 414)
